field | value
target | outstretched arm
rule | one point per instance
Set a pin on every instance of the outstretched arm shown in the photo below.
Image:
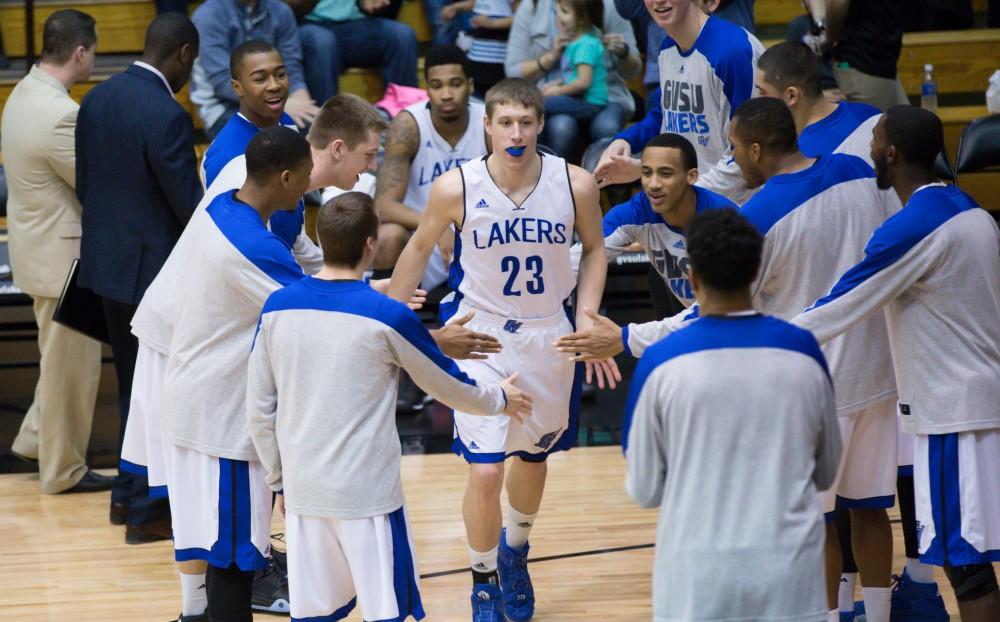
(445, 207)
(593, 266)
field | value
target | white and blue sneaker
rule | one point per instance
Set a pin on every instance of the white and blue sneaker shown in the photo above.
(518, 595)
(487, 603)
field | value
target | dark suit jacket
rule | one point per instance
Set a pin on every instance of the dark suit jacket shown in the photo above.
(137, 179)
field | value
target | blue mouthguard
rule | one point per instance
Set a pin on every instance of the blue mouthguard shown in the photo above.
(516, 151)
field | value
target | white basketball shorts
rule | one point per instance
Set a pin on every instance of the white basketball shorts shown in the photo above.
(956, 485)
(220, 509)
(866, 477)
(906, 444)
(142, 450)
(552, 380)
(335, 564)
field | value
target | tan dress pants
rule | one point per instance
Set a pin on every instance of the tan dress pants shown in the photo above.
(56, 429)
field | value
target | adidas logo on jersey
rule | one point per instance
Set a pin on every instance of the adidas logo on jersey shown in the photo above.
(482, 204)
(679, 244)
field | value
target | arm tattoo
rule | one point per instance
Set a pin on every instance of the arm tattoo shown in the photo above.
(401, 146)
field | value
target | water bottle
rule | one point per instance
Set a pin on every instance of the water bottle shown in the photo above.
(928, 89)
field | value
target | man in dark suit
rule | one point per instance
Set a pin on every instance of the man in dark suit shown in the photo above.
(138, 183)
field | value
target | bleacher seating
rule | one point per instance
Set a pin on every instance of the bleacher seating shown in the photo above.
(963, 60)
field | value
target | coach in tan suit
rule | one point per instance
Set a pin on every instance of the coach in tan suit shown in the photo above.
(43, 217)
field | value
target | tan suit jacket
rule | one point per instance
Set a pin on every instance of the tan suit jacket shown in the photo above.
(43, 213)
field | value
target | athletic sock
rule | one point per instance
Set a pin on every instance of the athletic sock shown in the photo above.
(484, 565)
(845, 598)
(876, 603)
(919, 572)
(518, 528)
(194, 598)
(833, 615)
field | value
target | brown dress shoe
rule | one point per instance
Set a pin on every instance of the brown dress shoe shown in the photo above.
(149, 532)
(118, 513)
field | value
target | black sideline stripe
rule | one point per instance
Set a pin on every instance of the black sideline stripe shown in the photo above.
(617, 549)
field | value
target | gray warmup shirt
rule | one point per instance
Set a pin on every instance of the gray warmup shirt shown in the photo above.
(321, 394)
(730, 428)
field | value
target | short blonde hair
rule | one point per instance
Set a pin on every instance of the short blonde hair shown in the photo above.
(515, 91)
(347, 117)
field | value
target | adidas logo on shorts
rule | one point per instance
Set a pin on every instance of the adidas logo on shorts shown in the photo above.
(472, 445)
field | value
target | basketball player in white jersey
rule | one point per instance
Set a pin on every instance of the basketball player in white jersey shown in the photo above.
(791, 72)
(425, 140)
(515, 212)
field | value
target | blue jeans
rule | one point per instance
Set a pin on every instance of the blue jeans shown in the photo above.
(330, 47)
(565, 122)
(443, 33)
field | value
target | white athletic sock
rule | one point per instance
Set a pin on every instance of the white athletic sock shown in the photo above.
(484, 561)
(833, 615)
(919, 572)
(194, 598)
(518, 527)
(845, 598)
(876, 603)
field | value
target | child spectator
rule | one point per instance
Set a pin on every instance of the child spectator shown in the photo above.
(583, 90)
(491, 23)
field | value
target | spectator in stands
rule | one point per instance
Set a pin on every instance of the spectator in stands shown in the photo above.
(137, 179)
(582, 90)
(535, 49)
(739, 12)
(866, 39)
(43, 214)
(491, 27)
(707, 70)
(223, 25)
(929, 15)
(338, 34)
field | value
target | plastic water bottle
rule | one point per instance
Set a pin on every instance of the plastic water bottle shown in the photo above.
(928, 89)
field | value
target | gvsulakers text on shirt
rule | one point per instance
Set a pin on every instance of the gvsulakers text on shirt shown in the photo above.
(684, 108)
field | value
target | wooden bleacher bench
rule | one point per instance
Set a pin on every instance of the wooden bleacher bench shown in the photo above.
(121, 24)
(772, 13)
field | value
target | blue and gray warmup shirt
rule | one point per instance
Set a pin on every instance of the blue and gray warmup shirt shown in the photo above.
(743, 401)
(935, 267)
(699, 91)
(815, 224)
(227, 153)
(332, 445)
(848, 129)
(635, 221)
(231, 263)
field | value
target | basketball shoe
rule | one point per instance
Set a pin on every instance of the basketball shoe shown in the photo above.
(487, 603)
(518, 595)
(911, 602)
(270, 586)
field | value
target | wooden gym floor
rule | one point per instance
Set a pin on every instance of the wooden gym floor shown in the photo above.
(591, 549)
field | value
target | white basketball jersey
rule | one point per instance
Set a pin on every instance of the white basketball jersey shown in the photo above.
(435, 155)
(511, 260)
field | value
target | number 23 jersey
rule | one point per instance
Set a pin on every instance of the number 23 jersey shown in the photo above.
(513, 260)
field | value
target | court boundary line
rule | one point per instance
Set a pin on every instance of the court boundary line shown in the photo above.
(549, 558)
